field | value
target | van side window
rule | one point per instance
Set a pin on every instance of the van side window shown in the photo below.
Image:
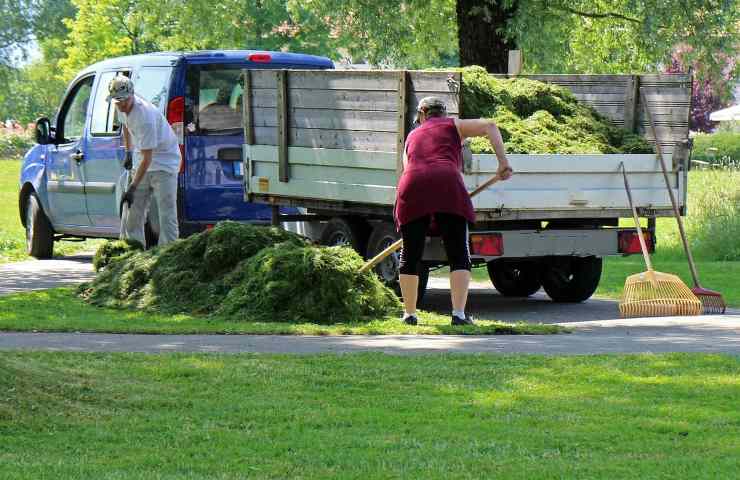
(219, 108)
(152, 84)
(74, 111)
(104, 119)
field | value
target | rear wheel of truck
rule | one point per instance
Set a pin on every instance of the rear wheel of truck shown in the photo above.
(346, 232)
(571, 279)
(382, 237)
(514, 279)
(39, 234)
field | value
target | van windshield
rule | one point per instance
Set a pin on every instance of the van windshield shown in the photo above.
(219, 108)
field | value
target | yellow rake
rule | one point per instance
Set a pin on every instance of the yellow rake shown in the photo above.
(651, 293)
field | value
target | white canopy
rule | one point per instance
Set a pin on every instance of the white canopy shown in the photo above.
(726, 114)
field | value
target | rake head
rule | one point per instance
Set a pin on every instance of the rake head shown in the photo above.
(711, 301)
(656, 294)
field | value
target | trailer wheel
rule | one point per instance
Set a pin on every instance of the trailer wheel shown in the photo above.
(571, 279)
(515, 279)
(382, 236)
(39, 234)
(346, 232)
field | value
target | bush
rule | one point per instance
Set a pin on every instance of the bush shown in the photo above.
(727, 145)
(14, 145)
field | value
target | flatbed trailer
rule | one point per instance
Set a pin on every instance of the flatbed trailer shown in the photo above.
(331, 142)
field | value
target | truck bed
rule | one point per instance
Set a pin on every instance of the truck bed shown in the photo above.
(543, 187)
(344, 154)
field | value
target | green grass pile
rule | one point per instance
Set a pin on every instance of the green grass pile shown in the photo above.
(243, 271)
(538, 117)
(113, 249)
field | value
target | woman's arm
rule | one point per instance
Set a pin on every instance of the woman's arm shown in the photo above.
(486, 128)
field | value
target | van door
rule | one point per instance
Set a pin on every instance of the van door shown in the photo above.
(103, 164)
(213, 147)
(104, 175)
(65, 180)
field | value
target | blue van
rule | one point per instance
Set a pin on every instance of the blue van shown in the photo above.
(71, 183)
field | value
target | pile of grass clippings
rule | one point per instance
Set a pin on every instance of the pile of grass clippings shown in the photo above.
(538, 117)
(246, 272)
(113, 249)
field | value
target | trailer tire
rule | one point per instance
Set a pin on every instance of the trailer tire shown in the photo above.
(382, 236)
(39, 233)
(514, 279)
(571, 279)
(347, 232)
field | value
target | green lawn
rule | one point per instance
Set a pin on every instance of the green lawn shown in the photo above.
(114, 416)
(59, 310)
(12, 234)
(723, 277)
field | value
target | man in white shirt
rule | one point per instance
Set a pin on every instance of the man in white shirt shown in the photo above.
(146, 132)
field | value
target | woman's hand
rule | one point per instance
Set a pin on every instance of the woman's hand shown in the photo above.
(504, 171)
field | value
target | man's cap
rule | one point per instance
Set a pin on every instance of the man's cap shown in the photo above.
(430, 104)
(120, 88)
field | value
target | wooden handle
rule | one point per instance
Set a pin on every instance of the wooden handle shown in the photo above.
(643, 246)
(382, 255)
(674, 203)
(399, 243)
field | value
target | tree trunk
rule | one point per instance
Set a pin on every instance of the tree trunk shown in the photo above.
(482, 27)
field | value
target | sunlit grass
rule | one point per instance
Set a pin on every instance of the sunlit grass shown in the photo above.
(65, 416)
(60, 310)
(12, 234)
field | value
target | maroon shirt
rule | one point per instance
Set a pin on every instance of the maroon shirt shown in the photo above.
(432, 181)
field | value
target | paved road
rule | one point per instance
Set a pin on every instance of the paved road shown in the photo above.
(43, 274)
(673, 334)
(596, 330)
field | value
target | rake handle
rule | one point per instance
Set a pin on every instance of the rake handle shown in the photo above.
(674, 204)
(399, 243)
(643, 246)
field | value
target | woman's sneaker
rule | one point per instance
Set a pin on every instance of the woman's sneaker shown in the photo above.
(468, 320)
(410, 320)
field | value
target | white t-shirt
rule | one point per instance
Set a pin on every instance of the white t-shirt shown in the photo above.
(149, 130)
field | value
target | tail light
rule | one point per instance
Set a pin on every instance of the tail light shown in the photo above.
(487, 245)
(176, 119)
(629, 242)
(260, 58)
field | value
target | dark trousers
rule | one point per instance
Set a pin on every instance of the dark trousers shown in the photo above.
(454, 231)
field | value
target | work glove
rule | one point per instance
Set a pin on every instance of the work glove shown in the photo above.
(128, 161)
(128, 197)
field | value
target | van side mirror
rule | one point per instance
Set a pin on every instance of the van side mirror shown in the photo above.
(43, 131)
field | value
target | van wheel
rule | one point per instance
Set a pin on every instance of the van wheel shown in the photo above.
(514, 279)
(345, 232)
(39, 234)
(382, 237)
(571, 279)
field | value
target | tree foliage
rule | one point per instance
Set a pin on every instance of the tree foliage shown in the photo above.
(556, 36)
(411, 33)
(608, 36)
(104, 29)
(33, 89)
